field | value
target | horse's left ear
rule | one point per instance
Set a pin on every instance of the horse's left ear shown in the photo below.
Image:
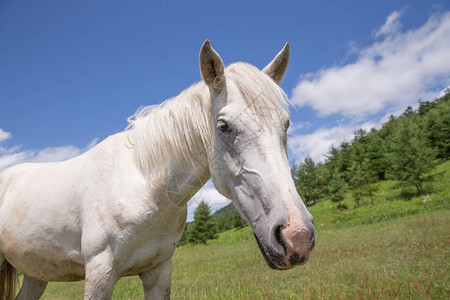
(277, 67)
(211, 66)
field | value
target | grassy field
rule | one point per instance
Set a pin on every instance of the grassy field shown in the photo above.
(402, 258)
(396, 249)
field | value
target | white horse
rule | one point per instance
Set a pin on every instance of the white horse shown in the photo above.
(120, 208)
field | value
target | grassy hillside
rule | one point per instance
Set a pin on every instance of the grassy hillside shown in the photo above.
(390, 201)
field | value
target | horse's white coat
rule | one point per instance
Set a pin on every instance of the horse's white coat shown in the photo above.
(120, 208)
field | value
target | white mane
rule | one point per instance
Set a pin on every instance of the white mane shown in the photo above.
(181, 127)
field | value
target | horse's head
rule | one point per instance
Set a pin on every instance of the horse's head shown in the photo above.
(248, 160)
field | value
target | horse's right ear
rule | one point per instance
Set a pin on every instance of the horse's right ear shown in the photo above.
(277, 67)
(211, 66)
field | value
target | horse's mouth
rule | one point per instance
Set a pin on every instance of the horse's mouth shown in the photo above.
(272, 260)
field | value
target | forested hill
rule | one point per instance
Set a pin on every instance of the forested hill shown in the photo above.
(405, 149)
(226, 210)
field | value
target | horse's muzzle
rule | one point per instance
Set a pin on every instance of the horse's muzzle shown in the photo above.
(290, 246)
(299, 240)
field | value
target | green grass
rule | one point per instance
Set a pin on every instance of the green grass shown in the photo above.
(402, 258)
(396, 249)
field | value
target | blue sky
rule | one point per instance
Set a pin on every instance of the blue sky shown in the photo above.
(72, 72)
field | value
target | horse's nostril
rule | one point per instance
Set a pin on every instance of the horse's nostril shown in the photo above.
(312, 240)
(279, 237)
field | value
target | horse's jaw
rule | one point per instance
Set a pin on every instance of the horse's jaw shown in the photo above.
(283, 228)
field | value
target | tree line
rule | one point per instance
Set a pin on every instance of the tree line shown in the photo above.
(405, 149)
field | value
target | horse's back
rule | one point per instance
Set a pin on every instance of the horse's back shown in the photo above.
(16, 186)
(32, 184)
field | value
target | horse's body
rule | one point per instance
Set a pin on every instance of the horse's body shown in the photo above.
(120, 208)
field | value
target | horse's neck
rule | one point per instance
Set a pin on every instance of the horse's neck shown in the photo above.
(174, 183)
(179, 165)
(183, 183)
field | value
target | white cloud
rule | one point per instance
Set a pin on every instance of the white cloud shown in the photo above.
(14, 155)
(293, 127)
(444, 92)
(55, 154)
(392, 24)
(7, 160)
(4, 135)
(317, 144)
(393, 72)
(210, 195)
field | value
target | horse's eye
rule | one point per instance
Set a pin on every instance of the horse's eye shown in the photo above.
(222, 125)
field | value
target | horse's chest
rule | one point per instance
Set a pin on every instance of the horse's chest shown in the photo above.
(149, 256)
(153, 245)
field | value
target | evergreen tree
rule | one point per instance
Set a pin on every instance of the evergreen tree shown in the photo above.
(336, 188)
(412, 157)
(238, 221)
(362, 182)
(332, 162)
(309, 182)
(370, 147)
(437, 125)
(376, 154)
(340, 159)
(203, 228)
(224, 222)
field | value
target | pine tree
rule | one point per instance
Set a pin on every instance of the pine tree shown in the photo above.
(412, 157)
(238, 222)
(362, 181)
(224, 222)
(437, 125)
(336, 188)
(203, 228)
(309, 181)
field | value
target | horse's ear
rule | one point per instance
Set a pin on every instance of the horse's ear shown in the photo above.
(211, 66)
(277, 67)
